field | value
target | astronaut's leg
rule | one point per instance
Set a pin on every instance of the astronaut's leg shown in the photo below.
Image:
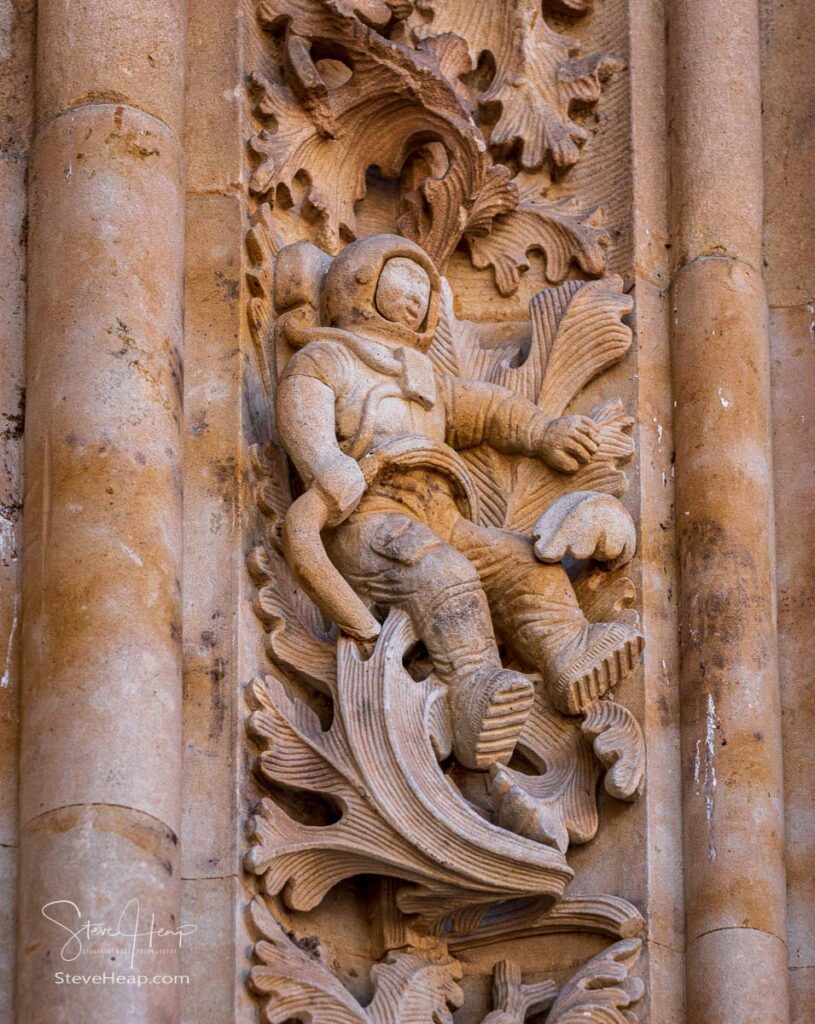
(396, 561)
(537, 615)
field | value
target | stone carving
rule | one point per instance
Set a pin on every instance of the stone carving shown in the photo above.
(513, 1000)
(374, 430)
(400, 816)
(602, 915)
(537, 78)
(414, 986)
(603, 990)
(442, 569)
(331, 132)
(600, 992)
(409, 988)
(558, 806)
(355, 85)
(559, 229)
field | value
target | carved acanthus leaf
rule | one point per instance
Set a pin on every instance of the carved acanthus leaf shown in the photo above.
(262, 244)
(559, 804)
(536, 486)
(512, 491)
(295, 985)
(619, 746)
(577, 334)
(272, 491)
(395, 100)
(408, 988)
(400, 817)
(512, 999)
(560, 229)
(602, 990)
(412, 990)
(298, 639)
(602, 915)
(537, 81)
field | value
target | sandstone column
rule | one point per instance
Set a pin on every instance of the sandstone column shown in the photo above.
(733, 810)
(101, 715)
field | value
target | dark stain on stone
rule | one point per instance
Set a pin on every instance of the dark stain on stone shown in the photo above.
(198, 422)
(16, 420)
(228, 285)
(218, 701)
(125, 336)
(309, 944)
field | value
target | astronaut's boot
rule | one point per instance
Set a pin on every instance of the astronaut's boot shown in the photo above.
(581, 668)
(489, 708)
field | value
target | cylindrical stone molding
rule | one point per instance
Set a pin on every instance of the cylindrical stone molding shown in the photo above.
(101, 704)
(715, 130)
(731, 717)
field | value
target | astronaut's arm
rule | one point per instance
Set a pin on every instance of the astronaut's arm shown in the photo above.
(479, 413)
(307, 429)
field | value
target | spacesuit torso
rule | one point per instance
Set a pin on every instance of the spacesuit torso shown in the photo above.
(385, 396)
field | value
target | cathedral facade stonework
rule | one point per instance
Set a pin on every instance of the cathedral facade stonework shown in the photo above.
(407, 474)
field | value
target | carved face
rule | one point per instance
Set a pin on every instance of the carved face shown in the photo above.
(403, 292)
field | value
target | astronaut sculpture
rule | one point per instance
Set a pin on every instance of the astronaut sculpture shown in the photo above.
(389, 516)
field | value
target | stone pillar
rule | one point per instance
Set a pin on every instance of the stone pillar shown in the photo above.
(101, 706)
(731, 722)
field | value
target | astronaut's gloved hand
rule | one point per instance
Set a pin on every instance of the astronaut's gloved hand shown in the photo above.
(341, 485)
(570, 442)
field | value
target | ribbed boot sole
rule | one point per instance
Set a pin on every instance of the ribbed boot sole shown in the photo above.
(597, 671)
(502, 724)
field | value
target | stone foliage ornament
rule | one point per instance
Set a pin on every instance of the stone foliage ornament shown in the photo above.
(442, 571)
(408, 988)
(356, 85)
(538, 80)
(421, 987)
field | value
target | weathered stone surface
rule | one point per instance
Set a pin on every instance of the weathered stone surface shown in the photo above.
(759, 962)
(93, 52)
(445, 472)
(213, 121)
(213, 958)
(8, 913)
(16, 106)
(544, 161)
(715, 130)
(100, 742)
(731, 714)
(114, 867)
(788, 99)
(101, 597)
(793, 376)
(212, 601)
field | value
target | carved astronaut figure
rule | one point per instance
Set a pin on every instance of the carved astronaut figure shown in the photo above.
(373, 430)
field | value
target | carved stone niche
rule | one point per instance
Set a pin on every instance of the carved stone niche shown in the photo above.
(443, 575)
